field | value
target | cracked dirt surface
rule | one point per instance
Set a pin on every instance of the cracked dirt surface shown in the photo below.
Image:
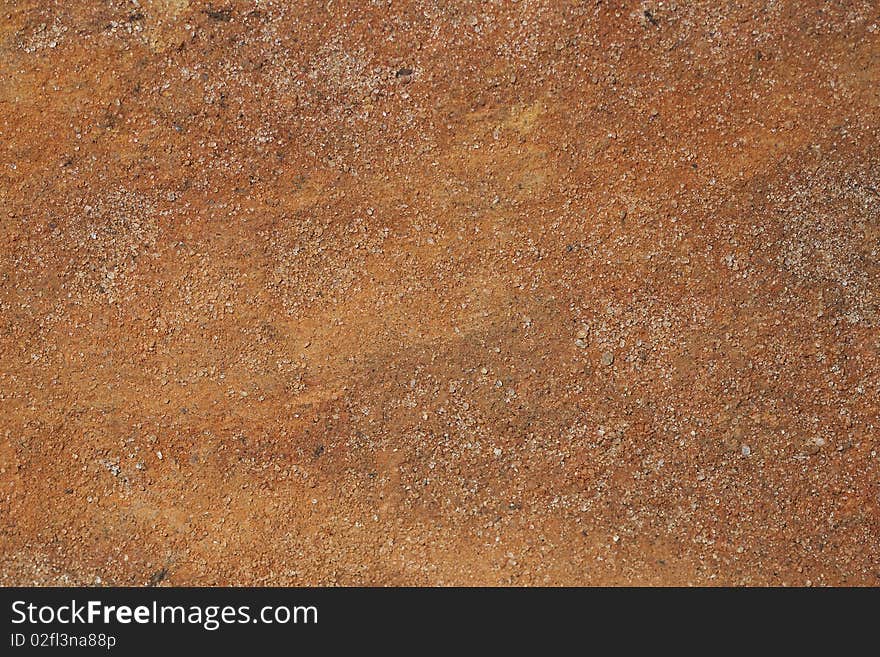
(521, 292)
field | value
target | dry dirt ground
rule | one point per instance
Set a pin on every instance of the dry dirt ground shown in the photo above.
(405, 292)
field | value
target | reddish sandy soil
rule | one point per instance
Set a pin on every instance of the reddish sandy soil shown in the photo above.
(518, 292)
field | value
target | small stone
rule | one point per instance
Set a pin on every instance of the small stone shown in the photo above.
(484, 370)
(746, 450)
(607, 358)
(159, 455)
(812, 446)
(810, 449)
(497, 451)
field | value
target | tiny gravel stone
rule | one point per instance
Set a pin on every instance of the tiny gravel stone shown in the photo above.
(607, 358)
(810, 448)
(746, 450)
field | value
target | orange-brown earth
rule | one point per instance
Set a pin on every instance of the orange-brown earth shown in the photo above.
(403, 292)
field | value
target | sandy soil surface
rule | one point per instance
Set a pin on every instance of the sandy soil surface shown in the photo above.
(401, 292)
